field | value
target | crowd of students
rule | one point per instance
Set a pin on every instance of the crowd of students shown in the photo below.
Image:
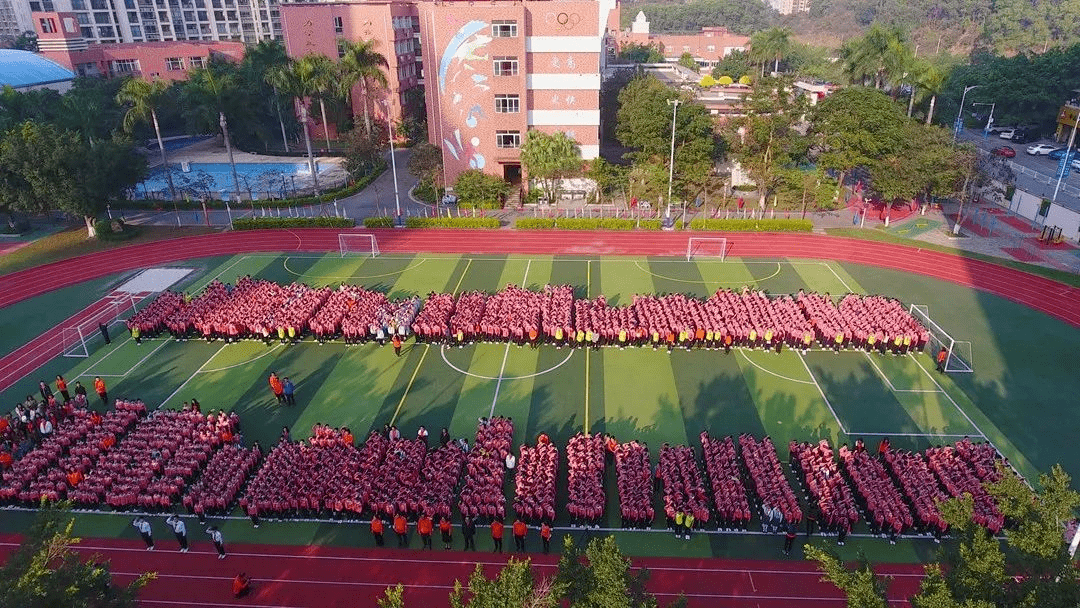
(816, 468)
(683, 495)
(726, 481)
(878, 495)
(585, 460)
(635, 484)
(260, 309)
(534, 482)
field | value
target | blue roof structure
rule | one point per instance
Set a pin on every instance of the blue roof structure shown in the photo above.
(20, 69)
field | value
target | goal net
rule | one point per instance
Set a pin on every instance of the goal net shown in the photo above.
(958, 352)
(358, 244)
(79, 340)
(75, 343)
(709, 247)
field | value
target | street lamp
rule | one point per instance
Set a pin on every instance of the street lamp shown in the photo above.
(990, 118)
(1067, 158)
(671, 167)
(393, 163)
(960, 114)
(228, 148)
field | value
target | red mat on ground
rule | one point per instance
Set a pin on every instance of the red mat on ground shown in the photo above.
(1018, 223)
(1022, 254)
(1062, 246)
(971, 227)
(326, 577)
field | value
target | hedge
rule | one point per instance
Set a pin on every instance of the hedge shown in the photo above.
(752, 225)
(451, 222)
(382, 221)
(114, 230)
(259, 223)
(535, 223)
(585, 223)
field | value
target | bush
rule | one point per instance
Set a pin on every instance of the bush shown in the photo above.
(479, 205)
(259, 223)
(426, 192)
(451, 222)
(535, 223)
(383, 221)
(751, 225)
(114, 230)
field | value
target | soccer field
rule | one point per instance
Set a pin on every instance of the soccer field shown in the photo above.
(651, 395)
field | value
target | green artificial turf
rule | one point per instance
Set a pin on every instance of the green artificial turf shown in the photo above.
(1017, 397)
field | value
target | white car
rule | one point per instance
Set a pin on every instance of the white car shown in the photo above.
(1075, 164)
(1041, 149)
(1007, 133)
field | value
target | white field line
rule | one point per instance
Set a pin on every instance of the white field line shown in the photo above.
(506, 353)
(953, 401)
(889, 382)
(822, 392)
(192, 377)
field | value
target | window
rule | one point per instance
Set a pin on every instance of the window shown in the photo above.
(80, 5)
(508, 139)
(506, 66)
(711, 48)
(174, 64)
(339, 26)
(504, 29)
(125, 66)
(507, 104)
(196, 62)
(48, 26)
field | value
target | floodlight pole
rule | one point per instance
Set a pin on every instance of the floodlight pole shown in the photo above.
(1067, 157)
(393, 166)
(960, 113)
(671, 167)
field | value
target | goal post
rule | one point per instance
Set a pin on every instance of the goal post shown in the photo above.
(353, 243)
(706, 246)
(74, 343)
(958, 352)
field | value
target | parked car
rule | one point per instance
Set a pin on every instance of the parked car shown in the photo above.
(1006, 151)
(1007, 133)
(449, 199)
(1058, 153)
(1041, 149)
(1075, 164)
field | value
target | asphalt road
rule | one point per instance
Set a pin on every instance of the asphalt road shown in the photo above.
(1039, 174)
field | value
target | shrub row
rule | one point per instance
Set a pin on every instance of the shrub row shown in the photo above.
(259, 223)
(585, 223)
(752, 225)
(451, 222)
(381, 221)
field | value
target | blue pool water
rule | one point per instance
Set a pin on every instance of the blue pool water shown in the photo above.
(213, 179)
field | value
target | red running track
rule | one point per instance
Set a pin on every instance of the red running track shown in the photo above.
(1046, 295)
(325, 577)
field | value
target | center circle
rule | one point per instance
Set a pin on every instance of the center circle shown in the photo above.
(443, 348)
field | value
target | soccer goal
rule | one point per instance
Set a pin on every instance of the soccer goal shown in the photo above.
(75, 342)
(958, 357)
(358, 244)
(703, 246)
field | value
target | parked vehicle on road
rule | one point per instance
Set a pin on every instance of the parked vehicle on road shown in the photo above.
(1006, 151)
(1041, 149)
(1058, 153)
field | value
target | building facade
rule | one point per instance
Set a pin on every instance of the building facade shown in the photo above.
(394, 26)
(60, 39)
(787, 7)
(499, 68)
(706, 47)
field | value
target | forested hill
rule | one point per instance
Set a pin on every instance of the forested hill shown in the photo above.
(959, 26)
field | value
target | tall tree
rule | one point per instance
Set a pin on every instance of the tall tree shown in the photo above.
(880, 56)
(258, 61)
(361, 63)
(772, 45)
(930, 81)
(144, 97)
(43, 168)
(548, 158)
(426, 164)
(321, 76)
(864, 588)
(211, 95)
(45, 571)
(515, 585)
(301, 83)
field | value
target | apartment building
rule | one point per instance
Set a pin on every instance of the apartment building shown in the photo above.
(60, 39)
(499, 68)
(14, 18)
(123, 21)
(394, 26)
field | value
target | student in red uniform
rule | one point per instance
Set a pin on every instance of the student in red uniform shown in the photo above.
(545, 536)
(789, 539)
(277, 387)
(99, 388)
(401, 527)
(61, 387)
(377, 530)
(424, 525)
(241, 585)
(497, 535)
(520, 529)
(447, 532)
(942, 355)
(396, 341)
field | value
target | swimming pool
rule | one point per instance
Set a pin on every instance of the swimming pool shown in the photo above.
(177, 143)
(260, 180)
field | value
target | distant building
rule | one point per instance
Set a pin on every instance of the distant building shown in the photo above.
(787, 7)
(60, 39)
(14, 18)
(707, 47)
(26, 71)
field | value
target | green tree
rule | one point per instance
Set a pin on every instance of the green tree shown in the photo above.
(880, 57)
(43, 168)
(609, 177)
(364, 151)
(26, 41)
(143, 97)
(394, 597)
(361, 63)
(641, 53)
(322, 78)
(765, 140)
(864, 588)
(602, 577)
(479, 189)
(301, 80)
(426, 164)
(46, 571)
(855, 127)
(687, 61)
(930, 81)
(548, 159)
(259, 60)
(515, 585)
(772, 45)
(211, 95)
(733, 65)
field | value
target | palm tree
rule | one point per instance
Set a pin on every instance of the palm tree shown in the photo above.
(207, 95)
(293, 80)
(361, 63)
(144, 96)
(771, 44)
(880, 56)
(259, 60)
(321, 76)
(931, 80)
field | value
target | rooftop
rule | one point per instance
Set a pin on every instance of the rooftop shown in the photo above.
(20, 69)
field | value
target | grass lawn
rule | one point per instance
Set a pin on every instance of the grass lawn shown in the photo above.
(1017, 396)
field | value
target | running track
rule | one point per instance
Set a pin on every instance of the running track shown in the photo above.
(326, 577)
(298, 577)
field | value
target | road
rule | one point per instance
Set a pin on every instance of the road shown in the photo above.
(1034, 174)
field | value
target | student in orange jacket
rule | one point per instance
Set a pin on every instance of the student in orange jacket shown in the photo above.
(447, 532)
(401, 527)
(545, 535)
(277, 387)
(520, 529)
(377, 530)
(497, 535)
(99, 388)
(424, 526)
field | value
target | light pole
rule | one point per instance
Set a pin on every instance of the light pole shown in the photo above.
(228, 148)
(393, 165)
(960, 113)
(671, 167)
(1067, 158)
(990, 118)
